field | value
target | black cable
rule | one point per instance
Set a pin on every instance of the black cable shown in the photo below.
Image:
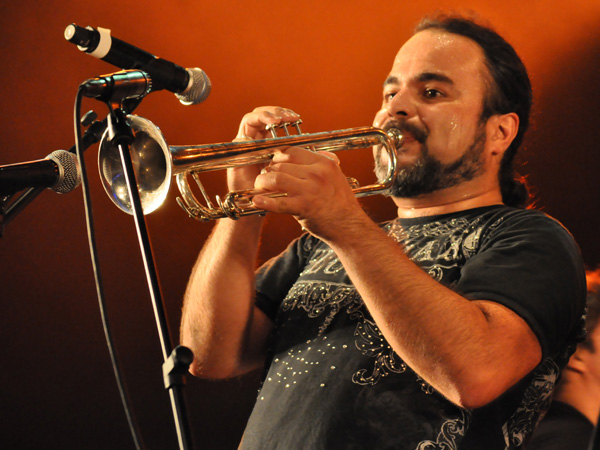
(125, 399)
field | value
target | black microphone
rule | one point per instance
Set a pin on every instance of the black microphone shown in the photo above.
(191, 86)
(118, 86)
(59, 171)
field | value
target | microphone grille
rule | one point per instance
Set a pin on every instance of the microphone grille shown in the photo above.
(70, 175)
(198, 88)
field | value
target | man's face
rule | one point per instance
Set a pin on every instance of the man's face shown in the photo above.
(434, 96)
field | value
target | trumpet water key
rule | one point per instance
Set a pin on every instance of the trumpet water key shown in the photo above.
(156, 163)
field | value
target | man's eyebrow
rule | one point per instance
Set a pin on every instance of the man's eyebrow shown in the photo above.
(421, 78)
(390, 80)
(430, 76)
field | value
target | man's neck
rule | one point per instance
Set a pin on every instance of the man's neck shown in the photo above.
(446, 201)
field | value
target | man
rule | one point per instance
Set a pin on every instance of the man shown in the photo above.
(445, 328)
(569, 423)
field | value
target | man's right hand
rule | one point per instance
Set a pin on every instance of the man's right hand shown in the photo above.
(253, 127)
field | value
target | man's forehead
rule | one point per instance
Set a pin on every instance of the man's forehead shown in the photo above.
(436, 54)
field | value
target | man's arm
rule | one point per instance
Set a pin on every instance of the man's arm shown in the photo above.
(470, 351)
(220, 322)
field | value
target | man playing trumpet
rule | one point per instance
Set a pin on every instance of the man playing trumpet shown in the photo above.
(445, 328)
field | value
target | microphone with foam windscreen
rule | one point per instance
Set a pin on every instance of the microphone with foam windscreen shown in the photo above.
(191, 86)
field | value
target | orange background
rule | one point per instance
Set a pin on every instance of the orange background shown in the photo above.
(324, 59)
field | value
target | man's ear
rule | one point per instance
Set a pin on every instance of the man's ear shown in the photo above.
(502, 129)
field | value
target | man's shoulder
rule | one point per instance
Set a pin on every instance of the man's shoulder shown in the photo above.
(508, 217)
(487, 226)
(531, 221)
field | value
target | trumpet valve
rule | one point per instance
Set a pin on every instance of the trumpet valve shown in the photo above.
(273, 127)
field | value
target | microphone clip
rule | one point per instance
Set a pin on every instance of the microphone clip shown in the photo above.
(116, 87)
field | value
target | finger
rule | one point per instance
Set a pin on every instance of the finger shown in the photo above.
(330, 155)
(286, 114)
(242, 138)
(299, 155)
(300, 171)
(291, 183)
(282, 205)
(254, 124)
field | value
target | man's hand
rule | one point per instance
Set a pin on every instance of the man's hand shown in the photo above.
(317, 192)
(252, 127)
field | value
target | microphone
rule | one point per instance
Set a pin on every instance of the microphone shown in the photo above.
(59, 171)
(191, 86)
(118, 86)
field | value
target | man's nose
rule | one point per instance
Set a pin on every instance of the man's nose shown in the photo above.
(400, 105)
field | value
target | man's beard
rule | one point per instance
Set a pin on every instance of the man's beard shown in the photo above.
(427, 174)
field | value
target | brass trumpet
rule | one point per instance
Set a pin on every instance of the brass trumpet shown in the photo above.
(155, 163)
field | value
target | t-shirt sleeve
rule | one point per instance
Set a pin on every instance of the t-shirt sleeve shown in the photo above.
(276, 276)
(532, 265)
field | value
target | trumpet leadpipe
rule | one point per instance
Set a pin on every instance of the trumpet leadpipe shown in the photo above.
(203, 158)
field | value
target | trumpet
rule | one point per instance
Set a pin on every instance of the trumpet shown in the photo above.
(155, 163)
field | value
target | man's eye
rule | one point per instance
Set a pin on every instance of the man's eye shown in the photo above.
(432, 93)
(390, 95)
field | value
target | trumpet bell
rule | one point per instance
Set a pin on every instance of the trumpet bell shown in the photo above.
(151, 162)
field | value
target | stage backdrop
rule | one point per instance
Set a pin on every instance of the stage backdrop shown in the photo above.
(324, 59)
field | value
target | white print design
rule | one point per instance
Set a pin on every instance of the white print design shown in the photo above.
(371, 342)
(446, 439)
(536, 399)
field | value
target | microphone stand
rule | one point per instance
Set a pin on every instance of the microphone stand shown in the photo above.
(178, 360)
(13, 204)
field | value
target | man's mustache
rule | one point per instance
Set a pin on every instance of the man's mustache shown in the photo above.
(407, 128)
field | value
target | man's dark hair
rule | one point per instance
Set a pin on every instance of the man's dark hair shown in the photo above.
(511, 92)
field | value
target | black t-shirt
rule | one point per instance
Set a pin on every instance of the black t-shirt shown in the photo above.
(332, 380)
(563, 428)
